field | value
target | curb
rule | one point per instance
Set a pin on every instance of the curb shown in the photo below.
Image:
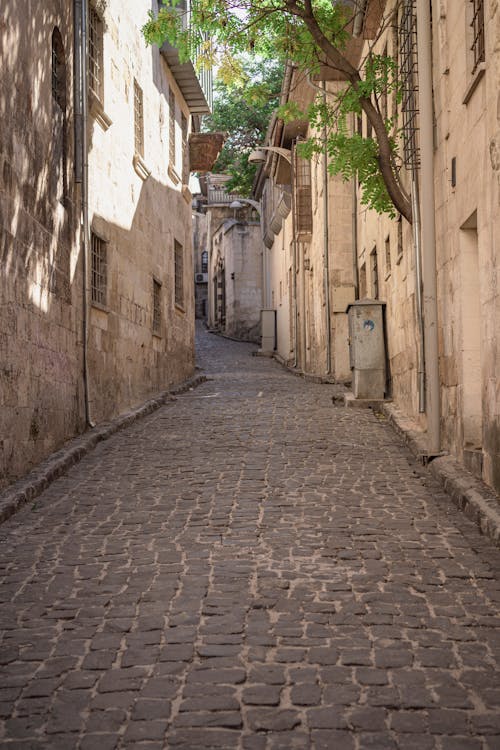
(29, 487)
(472, 496)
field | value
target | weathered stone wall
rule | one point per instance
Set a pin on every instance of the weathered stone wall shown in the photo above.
(242, 259)
(466, 172)
(140, 219)
(40, 275)
(137, 208)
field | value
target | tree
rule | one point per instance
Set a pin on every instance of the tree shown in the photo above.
(312, 34)
(243, 111)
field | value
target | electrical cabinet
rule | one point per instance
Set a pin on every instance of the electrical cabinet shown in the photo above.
(367, 348)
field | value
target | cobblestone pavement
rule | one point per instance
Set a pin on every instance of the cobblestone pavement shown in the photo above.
(252, 566)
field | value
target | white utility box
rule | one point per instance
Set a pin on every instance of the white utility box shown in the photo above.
(268, 330)
(367, 348)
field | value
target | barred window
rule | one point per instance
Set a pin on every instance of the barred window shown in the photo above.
(171, 127)
(99, 270)
(95, 55)
(138, 120)
(58, 70)
(185, 153)
(374, 272)
(156, 307)
(303, 195)
(204, 261)
(477, 26)
(179, 273)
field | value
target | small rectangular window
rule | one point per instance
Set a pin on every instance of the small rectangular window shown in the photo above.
(179, 273)
(303, 195)
(171, 127)
(477, 38)
(387, 256)
(400, 239)
(99, 270)
(374, 272)
(362, 282)
(95, 55)
(156, 307)
(185, 151)
(138, 120)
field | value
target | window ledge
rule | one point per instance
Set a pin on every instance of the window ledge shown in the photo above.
(187, 194)
(140, 167)
(157, 335)
(474, 82)
(179, 308)
(387, 276)
(98, 113)
(173, 174)
(99, 306)
(399, 259)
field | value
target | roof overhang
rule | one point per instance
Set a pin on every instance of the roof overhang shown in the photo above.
(187, 80)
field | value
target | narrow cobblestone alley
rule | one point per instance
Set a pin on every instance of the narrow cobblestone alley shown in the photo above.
(251, 566)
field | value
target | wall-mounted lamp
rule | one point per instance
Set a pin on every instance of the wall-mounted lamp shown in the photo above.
(258, 156)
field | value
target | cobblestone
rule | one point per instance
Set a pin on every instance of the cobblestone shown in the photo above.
(249, 566)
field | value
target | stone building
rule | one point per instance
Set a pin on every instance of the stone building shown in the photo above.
(440, 287)
(307, 236)
(97, 304)
(230, 227)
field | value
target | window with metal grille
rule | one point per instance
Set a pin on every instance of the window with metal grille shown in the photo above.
(98, 270)
(409, 79)
(303, 195)
(374, 272)
(204, 261)
(138, 120)
(156, 306)
(185, 151)
(179, 273)
(171, 127)
(387, 255)
(95, 55)
(58, 174)
(477, 26)
(58, 70)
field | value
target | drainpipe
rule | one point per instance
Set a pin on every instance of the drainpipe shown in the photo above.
(294, 265)
(81, 8)
(424, 51)
(326, 240)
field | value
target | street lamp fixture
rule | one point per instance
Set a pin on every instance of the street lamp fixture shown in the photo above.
(258, 156)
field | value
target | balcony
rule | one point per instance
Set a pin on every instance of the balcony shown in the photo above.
(195, 86)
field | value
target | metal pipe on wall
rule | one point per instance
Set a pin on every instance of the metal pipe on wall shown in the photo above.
(326, 241)
(83, 14)
(427, 202)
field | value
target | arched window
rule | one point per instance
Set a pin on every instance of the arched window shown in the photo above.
(59, 134)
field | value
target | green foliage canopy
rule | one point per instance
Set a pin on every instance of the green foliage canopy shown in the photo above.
(310, 33)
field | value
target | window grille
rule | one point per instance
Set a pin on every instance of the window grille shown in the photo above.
(58, 70)
(156, 306)
(95, 56)
(204, 261)
(387, 255)
(179, 273)
(409, 81)
(171, 127)
(303, 195)
(99, 270)
(138, 120)
(374, 273)
(477, 26)
(185, 153)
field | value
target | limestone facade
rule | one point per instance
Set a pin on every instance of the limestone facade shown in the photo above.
(373, 256)
(140, 267)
